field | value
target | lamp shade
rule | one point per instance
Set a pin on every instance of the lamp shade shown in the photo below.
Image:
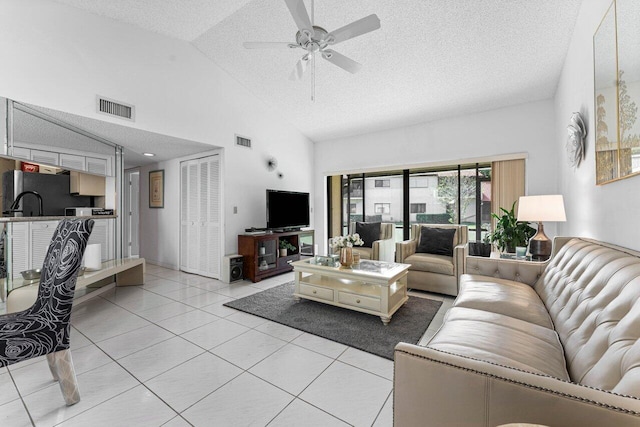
(541, 208)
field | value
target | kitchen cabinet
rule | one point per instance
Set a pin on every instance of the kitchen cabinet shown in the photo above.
(46, 157)
(102, 234)
(18, 235)
(21, 153)
(84, 184)
(40, 234)
(99, 166)
(73, 161)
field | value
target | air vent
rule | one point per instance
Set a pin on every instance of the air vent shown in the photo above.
(115, 108)
(243, 142)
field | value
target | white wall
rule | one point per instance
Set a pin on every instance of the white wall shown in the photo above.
(609, 212)
(527, 128)
(60, 57)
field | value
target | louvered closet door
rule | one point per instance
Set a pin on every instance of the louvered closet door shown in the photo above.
(200, 216)
(210, 216)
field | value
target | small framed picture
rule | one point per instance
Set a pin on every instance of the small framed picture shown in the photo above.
(156, 189)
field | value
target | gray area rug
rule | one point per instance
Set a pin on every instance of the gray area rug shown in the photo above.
(362, 331)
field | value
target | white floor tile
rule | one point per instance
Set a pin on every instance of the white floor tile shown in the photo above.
(139, 301)
(279, 331)
(215, 333)
(165, 311)
(13, 414)
(189, 382)
(385, 418)
(159, 358)
(210, 285)
(204, 299)
(176, 422)
(136, 407)
(291, 368)
(162, 286)
(368, 362)
(248, 349)
(107, 323)
(136, 340)
(237, 291)
(33, 377)
(8, 390)
(185, 292)
(301, 413)
(185, 322)
(320, 345)
(245, 319)
(244, 401)
(47, 406)
(77, 340)
(219, 309)
(348, 393)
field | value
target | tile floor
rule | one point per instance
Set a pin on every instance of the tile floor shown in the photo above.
(168, 353)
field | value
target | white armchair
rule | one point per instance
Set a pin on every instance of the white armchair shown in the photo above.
(381, 250)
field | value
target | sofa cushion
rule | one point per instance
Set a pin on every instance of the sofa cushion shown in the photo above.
(502, 296)
(369, 232)
(437, 241)
(430, 263)
(501, 339)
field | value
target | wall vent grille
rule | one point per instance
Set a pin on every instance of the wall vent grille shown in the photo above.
(115, 108)
(243, 142)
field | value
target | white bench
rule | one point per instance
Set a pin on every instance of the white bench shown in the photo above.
(127, 272)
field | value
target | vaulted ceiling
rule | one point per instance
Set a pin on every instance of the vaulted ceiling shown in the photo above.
(431, 59)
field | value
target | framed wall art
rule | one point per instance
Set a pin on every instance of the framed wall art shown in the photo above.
(616, 53)
(156, 189)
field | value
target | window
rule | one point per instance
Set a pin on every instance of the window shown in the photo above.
(418, 208)
(419, 182)
(382, 208)
(382, 183)
(353, 208)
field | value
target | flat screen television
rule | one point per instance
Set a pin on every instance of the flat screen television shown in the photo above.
(287, 210)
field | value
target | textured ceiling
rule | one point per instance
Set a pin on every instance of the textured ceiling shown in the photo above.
(35, 130)
(431, 59)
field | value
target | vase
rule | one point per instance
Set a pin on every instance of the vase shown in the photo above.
(346, 257)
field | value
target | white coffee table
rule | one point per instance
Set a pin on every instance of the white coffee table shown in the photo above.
(373, 287)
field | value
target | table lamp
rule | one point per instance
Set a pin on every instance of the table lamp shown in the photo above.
(539, 209)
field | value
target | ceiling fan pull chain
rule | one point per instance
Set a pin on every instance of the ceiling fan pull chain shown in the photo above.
(313, 78)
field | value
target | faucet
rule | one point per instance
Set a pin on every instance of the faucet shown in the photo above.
(16, 202)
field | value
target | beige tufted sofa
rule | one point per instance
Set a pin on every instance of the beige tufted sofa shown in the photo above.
(553, 343)
(434, 273)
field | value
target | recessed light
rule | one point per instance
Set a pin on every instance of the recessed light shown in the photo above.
(148, 154)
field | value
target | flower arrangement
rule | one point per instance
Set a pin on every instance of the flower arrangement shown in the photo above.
(347, 241)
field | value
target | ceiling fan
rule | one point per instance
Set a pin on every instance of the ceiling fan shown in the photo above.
(317, 40)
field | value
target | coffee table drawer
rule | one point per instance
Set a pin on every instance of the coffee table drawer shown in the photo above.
(316, 292)
(359, 301)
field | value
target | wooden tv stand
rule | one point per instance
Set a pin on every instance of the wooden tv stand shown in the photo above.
(261, 252)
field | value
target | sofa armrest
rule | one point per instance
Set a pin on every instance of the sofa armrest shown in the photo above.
(519, 271)
(383, 250)
(405, 249)
(448, 389)
(460, 254)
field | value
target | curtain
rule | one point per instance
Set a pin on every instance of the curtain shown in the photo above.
(507, 185)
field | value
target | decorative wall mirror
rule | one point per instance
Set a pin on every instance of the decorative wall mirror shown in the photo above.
(616, 48)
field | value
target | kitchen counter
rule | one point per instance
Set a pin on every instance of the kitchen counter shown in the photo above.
(50, 218)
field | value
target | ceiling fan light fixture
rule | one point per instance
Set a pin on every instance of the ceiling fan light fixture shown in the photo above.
(148, 154)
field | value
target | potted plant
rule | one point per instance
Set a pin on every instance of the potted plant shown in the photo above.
(481, 248)
(510, 232)
(285, 246)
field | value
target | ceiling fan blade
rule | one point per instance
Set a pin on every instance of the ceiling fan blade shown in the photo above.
(355, 29)
(299, 13)
(269, 45)
(300, 67)
(341, 61)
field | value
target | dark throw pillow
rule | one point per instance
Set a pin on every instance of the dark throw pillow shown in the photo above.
(437, 241)
(369, 232)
